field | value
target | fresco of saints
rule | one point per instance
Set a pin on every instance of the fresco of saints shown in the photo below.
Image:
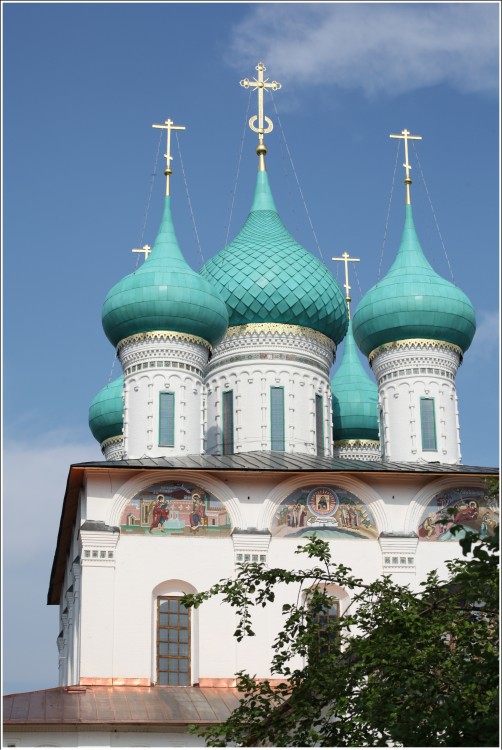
(160, 512)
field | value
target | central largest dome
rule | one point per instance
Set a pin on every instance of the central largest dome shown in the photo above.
(265, 276)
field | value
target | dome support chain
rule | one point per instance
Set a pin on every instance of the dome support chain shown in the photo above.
(388, 213)
(297, 180)
(434, 214)
(244, 130)
(147, 209)
(189, 201)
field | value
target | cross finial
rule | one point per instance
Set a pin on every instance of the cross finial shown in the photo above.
(346, 259)
(145, 249)
(260, 84)
(406, 136)
(168, 125)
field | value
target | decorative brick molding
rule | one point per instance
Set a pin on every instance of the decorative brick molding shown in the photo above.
(398, 552)
(99, 544)
(250, 547)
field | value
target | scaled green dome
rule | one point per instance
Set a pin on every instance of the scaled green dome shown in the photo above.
(164, 294)
(106, 411)
(413, 301)
(265, 276)
(355, 397)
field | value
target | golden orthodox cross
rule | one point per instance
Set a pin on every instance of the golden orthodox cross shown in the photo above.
(346, 260)
(168, 125)
(406, 136)
(145, 249)
(260, 85)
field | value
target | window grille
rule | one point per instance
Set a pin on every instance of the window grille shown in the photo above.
(428, 424)
(166, 419)
(319, 425)
(173, 641)
(277, 431)
(228, 422)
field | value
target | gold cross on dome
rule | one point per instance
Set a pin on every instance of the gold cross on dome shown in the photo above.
(346, 259)
(145, 249)
(168, 125)
(260, 85)
(406, 136)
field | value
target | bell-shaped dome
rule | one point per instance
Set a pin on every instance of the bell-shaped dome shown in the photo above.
(265, 276)
(355, 396)
(106, 411)
(413, 301)
(164, 294)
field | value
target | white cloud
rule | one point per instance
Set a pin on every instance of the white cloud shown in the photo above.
(35, 476)
(34, 483)
(486, 340)
(379, 48)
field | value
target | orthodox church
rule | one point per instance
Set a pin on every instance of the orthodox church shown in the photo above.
(225, 441)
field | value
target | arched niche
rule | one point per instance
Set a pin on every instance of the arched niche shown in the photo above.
(330, 508)
(469, 502)
(176, 505)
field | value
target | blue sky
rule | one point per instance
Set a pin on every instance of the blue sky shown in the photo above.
(82, 85)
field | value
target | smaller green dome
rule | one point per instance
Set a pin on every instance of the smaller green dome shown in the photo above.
(413, 301)
(265, 276)
(164, 294)
(107, 410)
(355, 397)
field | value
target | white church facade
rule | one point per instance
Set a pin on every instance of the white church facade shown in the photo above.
(225, 441)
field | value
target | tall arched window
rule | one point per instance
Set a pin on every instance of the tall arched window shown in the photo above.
(175, 636)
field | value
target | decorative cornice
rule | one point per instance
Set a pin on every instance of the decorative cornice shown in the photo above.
(111, 441)
(279, 329)
(261, 357)
(163, 336)
(357, 444)
(415, 344)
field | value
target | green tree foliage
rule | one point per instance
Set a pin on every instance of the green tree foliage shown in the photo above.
(400, 667)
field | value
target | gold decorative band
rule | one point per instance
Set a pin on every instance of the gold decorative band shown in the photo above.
(356, 444)
(159, 335)
(111, 441)
(280, 329)
(418, 343)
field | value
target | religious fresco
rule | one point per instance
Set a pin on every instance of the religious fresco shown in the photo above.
(175, 509)
(330, 512)
(472, 508)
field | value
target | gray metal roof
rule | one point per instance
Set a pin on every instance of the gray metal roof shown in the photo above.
(279, 461)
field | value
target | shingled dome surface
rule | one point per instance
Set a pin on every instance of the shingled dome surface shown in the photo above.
(265, 276)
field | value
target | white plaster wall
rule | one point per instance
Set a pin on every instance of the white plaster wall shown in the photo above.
(153, 364)
(250, 364)
(118, 595)
(97, 621)
(76, 738)
(405, 376)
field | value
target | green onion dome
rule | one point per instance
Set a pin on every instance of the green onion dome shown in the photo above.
(413, 301)
(164, 294)
(106, 411)
(265, 276)
(355, 395)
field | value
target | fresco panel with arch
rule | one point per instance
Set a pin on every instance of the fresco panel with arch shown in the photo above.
(330, 512)
(175, 508)
(472, 507)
